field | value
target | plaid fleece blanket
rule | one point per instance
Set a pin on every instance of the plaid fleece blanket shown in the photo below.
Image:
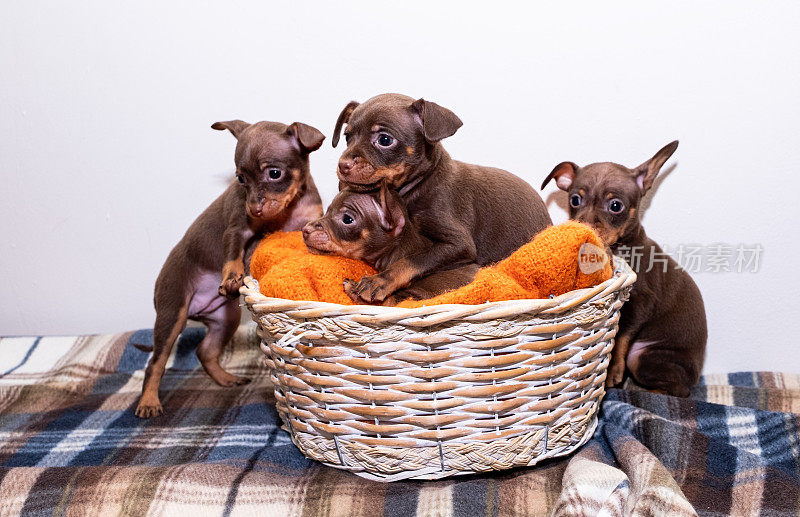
(70, 444)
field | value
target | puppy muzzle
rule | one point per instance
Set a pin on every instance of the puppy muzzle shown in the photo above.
(357, 171)
(316, 238)
(607, 235)
(267, 210)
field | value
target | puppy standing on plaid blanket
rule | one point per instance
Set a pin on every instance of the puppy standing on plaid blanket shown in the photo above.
(471, 214)
(662, 328)
(203, 273)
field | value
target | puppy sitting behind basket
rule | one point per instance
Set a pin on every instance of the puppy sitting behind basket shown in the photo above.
(662, 328)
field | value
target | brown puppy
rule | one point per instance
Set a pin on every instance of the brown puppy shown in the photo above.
(662, 329)
(470, 213)
(374, 227)
(201, 278)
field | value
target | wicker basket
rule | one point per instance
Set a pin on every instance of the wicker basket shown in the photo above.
(425, 393)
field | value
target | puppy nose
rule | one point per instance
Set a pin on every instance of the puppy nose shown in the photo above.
(310, 227)
(346, 165)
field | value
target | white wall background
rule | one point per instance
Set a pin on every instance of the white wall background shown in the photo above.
(106, 155)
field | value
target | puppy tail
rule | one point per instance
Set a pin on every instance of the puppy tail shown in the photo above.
(143, 348)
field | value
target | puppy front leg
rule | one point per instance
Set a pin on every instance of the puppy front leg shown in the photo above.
(232, 277)
(616, 368)
(233, 241)
(376, 288)
(633, 316)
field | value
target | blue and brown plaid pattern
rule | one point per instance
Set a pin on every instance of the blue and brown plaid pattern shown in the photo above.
(70, 444)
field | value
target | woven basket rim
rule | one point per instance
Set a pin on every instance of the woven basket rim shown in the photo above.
(622, 277)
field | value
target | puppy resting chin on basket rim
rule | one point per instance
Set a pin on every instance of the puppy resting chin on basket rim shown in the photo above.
(374, 227)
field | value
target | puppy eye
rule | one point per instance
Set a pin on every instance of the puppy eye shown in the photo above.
(275, 174)
(575, 200)
(240, 178)
(346, 219)
(615, 206)
(385, 140)
(347, 136)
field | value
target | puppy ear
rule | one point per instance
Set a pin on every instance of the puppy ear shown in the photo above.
(437, 122)
(564, 173)
(391, 211)
(344, 117)
(307, 138)
(646, 173)
(234, 126)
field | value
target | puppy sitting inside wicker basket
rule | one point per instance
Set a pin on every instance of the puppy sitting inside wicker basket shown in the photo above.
(374, 227)
(469, 213)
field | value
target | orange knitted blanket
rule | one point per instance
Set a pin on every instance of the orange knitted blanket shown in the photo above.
(559, 259)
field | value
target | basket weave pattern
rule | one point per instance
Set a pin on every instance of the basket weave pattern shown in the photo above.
(436, 391)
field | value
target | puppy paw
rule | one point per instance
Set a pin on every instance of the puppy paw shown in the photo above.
(370, 289)
(614, 375)
(230, 286)
(148, 411)
(350, 290)
(227, 380)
